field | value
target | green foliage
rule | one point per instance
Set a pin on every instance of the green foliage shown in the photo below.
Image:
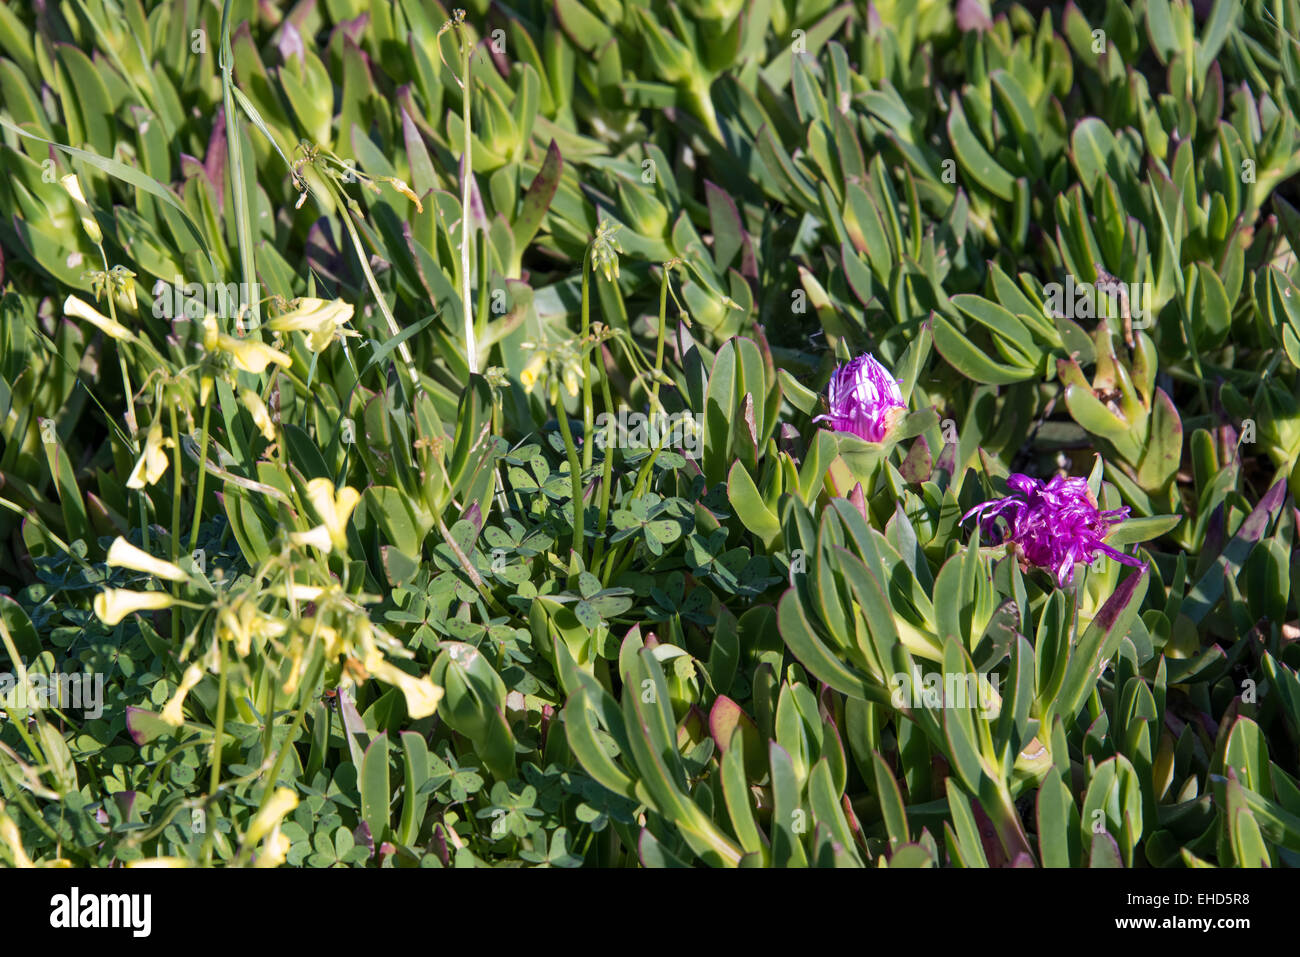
(365, 569)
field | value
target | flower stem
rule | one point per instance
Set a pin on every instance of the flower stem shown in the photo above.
(659, 346)
(176, 511)
(467, 172)
(214, 779)
(643, 478)
(132, 423)
(607, 469)
(176, 484)
(575, 474)
(587, 411)
(203, 471)
(305, 693)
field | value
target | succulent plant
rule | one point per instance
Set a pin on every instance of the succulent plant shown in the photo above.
(550, 434)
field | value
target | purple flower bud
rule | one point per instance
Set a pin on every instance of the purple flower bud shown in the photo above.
(863, 397)
(1053, 525)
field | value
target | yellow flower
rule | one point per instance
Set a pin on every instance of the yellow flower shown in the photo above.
(123, 287)
(571, 381)
(422, 695)
(318, 536)
(171, 712)
(80, 309)
(334, 645)
(153, 460)
(274, 851)
(528, 378)
(282, 802)
(333, 508)
(257, 409)
(88, 223)
(290, 685)
(331, 639)
(114, 604)
(321, 319)
(122, 554)
(300, 592)
(249, 354)
(152, 862)
(243, 622)
(252, 356)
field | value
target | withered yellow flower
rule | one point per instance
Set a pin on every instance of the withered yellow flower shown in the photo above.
(152, 463)
(257, 409)
(401, 187)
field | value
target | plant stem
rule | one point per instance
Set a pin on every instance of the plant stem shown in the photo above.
(659, 346)
(1006, 820)
(467, 172)
(305, 695)
(238, 186)
(176, 510)
(214, 779)
(19, 726)
(380, 301)
(19, 798)
(575, 475)
(132, 423)
(176, 484)
(607, 470)
(587, 412)
(643, 477)
(203, 458)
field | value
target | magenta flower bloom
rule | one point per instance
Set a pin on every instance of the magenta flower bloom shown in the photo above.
(863, 397)
(1052, 525)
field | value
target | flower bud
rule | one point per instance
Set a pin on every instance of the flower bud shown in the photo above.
(80, 309)
(257, 409)
(114, 604)
(864, 399)
(122, 554)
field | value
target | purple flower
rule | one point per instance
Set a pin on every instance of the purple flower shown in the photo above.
(862, 399)
(1053, 525)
